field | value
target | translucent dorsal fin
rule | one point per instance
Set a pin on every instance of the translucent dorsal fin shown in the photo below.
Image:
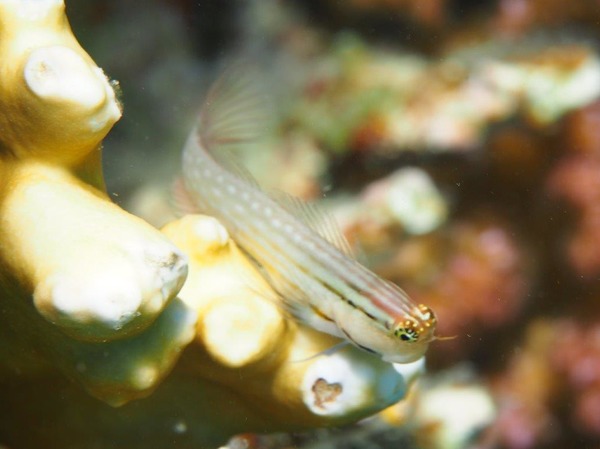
(315, 218)
(236, 111)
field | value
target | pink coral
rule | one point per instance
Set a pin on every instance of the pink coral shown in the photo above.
(524, 393)
(576, 179)
(576, 357)
(556, 371)
(516, 17)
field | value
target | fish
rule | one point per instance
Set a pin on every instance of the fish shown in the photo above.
(298, 249)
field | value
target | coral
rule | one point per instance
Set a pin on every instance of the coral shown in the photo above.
(439, 423)
(525, 392)
(404, 202)
(95, 273)
(515, 17)
(555, 373)
(576, 179)
(406, 198)
(369, 99)
(576, 358)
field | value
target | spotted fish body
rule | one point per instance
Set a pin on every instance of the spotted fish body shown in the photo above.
(302, 255)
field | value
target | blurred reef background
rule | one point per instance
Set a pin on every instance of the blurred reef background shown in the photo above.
(458, 144)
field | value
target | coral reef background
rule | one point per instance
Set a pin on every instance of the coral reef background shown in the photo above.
(458, 145)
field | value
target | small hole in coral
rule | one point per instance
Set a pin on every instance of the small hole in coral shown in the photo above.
(325, 392)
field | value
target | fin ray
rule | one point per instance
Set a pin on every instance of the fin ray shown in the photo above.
(236, 111)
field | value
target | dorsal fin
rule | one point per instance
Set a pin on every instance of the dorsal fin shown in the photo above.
(236, 111)
(315, 218)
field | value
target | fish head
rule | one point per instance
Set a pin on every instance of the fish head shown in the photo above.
(403, 340)
(411, 334)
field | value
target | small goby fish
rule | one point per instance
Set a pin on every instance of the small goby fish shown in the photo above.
(301, 253)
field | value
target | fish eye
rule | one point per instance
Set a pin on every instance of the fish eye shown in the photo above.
(406, 334)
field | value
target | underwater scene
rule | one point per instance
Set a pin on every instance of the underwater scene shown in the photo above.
(301, 224)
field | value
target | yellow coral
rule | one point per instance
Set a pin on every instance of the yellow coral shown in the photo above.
(97, 273)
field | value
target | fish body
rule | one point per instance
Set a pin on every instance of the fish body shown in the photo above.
(301, 254)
